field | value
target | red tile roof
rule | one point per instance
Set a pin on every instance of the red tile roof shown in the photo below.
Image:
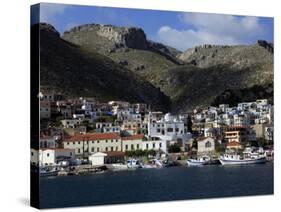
(233, 143)
(201, 138)
(133, 137)
(43, 149)
(92, 136)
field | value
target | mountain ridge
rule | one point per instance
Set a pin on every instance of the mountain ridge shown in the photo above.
(199, 76)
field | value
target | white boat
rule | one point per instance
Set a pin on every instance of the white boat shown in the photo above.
(133, 164)
(248, 157)
(199, 161)
(155, 163)
(48, 171)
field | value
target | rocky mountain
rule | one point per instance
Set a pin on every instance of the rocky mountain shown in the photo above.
(68, 69)
(125, 45)
(200, 76)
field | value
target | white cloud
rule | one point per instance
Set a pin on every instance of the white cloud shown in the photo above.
(211, 29)
(49, 12)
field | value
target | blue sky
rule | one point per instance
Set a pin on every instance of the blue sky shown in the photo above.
(177, 29)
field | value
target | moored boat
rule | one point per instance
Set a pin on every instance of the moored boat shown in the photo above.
(155, 163)
(133, 164)
(48, 171)
(199, 161)
(247, 157)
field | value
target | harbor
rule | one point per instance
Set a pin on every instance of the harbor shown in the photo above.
(248, 156)
(165, 184)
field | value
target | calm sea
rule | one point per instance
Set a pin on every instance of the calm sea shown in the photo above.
(148, 185)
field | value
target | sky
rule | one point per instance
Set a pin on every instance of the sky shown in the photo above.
(181, 30)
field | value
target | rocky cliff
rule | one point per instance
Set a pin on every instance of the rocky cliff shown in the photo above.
(203, 75)
(72, 71)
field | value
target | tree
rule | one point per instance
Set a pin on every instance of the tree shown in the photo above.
(189, 124)
(174, 148)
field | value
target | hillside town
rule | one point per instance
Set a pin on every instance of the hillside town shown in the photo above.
(97, 134)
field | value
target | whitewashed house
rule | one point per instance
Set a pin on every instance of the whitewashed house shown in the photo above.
(97, 159)
(206, 145)
(71, 123)
(48, 142)
(169, 128)
(154, 144)
(50, 156)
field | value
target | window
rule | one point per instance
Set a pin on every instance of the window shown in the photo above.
(132, 146)
(70, 153)
(160, 145)
(112, 149)
(158, 130)
(106, 149)
(153, 145)
(208, 144)
(48, 154)
(78, 142)
(78, 150)
(116, 148)
(126, 147)
(93, 142)
(177, 129)
(116, 140)
(170, 130)
(146, 146)
(31, 153)
(98, 149)
(105, 141)
(138, 146)
(111, 141)
(67, 143)
(93, 149)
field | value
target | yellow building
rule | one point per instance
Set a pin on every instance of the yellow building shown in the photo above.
(132, 142)
(86, 144)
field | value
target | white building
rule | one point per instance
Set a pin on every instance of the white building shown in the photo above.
(97, 159)
(155, 144)
(71, 123)
(49, 156)
(48, 142)
(169, 128)
(206, 145)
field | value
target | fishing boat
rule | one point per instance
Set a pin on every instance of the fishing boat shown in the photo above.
(199, 161)
(249, 156)
(155, 163)
(48, 171)
(133, 164)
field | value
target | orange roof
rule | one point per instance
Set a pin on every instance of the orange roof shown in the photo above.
(43, 149)
(201, 138)
(233, 143)
(93, 136)
(133, 137)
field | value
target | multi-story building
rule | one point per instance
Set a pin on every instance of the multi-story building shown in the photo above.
(50, 156)
(154, 144)
(239, 134)
(48, 142)
(132, 142)
(85, 144)
(45, 110)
